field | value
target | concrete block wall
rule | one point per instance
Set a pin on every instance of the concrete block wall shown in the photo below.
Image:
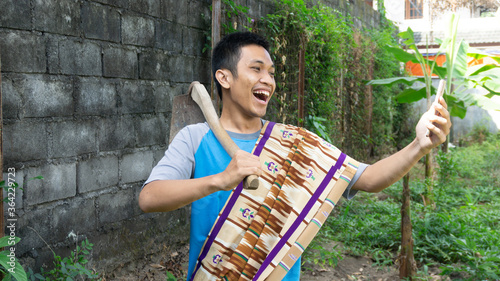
(87, 88)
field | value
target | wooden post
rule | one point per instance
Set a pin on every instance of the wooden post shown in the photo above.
(216, 17)
(301, 83)
(407, 265)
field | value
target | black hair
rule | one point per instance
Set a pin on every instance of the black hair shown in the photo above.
(227, 52)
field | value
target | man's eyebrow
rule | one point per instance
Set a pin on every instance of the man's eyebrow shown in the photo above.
(260, 62)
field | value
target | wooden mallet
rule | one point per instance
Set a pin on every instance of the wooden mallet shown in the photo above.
(201, 97)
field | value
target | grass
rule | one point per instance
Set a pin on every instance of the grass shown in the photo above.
(461, 234)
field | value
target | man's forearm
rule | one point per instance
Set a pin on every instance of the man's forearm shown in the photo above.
(389, 170)
(169, 195)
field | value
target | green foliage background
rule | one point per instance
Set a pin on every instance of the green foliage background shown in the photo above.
(339, 60)
(461, 235)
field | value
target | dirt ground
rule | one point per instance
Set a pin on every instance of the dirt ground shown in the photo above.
(349, 268)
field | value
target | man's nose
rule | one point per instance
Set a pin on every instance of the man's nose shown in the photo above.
(267, 78)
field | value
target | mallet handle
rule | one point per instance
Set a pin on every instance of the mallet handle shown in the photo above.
(201, 97)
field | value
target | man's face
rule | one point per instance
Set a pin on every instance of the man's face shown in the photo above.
(254, 85)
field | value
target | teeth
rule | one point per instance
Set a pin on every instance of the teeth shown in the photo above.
(266, 93)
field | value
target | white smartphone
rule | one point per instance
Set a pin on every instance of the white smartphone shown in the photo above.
(439, 94)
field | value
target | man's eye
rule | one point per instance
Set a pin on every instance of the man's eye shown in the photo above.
(271, 73)
(256, 68)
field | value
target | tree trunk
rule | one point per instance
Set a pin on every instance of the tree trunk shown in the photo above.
(429, 197)
(369, 106)
(407, 265)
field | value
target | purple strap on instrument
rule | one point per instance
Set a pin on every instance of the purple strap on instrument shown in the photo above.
(232, 200)
(302, 215)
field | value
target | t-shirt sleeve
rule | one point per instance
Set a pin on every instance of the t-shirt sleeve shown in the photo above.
(178, 161)
(349, 193)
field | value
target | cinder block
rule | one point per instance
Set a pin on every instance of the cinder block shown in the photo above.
(59, 182)
(176, 11)
(24, 141)
(116, 133)
(158, 154)
(95, 96)
(32, 226)
(169, 36)
(119, 62)
(52, 53)
(153, 65)
(100, 22)
(11, 99)
(151, 131)
(76, 217)
(116, 206)
(163, 95)
(202, 71)
(97, 173)
(138, 31)
(13, 195)
(149, 7)
(80, 58)
(62, 17)
(136, 97)
(115, 3)
(22, 52)
(46, 96)
(72, 138)
(200, 15)
(181, 74)
(193, 42)
(136, 167)
(15, 14)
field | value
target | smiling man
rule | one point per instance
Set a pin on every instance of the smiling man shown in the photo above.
(196, 170)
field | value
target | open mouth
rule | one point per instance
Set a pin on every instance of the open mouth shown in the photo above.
(261, 95)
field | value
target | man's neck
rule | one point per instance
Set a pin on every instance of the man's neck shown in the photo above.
(238, 124)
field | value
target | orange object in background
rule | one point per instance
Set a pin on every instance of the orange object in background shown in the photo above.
(414, 69)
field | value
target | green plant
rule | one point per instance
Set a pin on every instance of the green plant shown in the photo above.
(454, 70)
(9, 265)
(316, 124)
(235, 14)
(170, 277)
(461, 235)
(480, 264)
(337, 56)
(69, 268)
(318, 254)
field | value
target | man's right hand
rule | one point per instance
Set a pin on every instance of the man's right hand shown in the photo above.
(242, 165)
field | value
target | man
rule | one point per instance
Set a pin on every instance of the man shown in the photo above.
(195, 168)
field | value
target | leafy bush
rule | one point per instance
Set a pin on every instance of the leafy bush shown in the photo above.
(462, 234)
(337, 57)
(69, 268)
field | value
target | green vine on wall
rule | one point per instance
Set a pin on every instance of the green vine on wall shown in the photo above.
(338, 59)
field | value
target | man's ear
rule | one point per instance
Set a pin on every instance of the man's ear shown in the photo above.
(224, 76)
